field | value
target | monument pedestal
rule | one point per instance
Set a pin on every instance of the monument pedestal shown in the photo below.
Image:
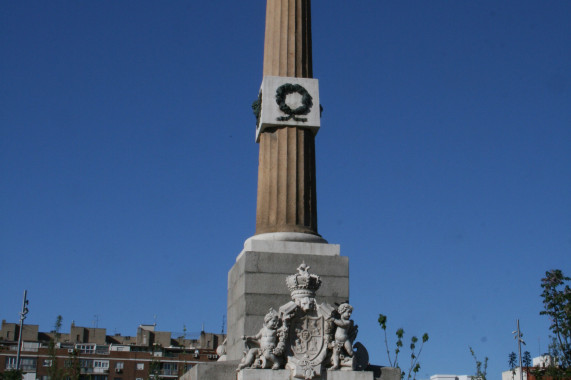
(285, 374)
(227, 371)
(213, 371)
(257, 282)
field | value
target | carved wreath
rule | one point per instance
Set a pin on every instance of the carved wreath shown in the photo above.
(306, 102)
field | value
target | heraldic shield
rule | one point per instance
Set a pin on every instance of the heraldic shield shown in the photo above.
(306, 337)
(307, 344)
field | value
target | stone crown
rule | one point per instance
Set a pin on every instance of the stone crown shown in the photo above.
(303, 284)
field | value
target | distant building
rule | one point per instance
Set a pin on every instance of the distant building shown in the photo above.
(515, 375)
(538, 363)
(451, 377)
(89, 353)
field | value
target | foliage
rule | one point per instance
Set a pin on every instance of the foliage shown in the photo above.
(512, 361)
(414, 355)
(481, 367)
(155, 364)
(526, 359)
(57, 327)
(54, 372)
(12, 374)
(154, 369)
(552, 371)
(182, 367)
(556, 296)
(73, 371)
(557, 306)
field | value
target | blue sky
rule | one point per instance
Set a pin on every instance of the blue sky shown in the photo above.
(129, 169)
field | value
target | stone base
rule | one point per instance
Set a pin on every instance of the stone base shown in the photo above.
(212, 371)
(385, 373)
(264, 374)
(256, 283)
(227, 371)
(284, 374)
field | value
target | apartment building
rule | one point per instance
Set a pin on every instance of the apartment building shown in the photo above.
(89, 353)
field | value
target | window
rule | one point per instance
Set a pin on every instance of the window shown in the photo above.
(119, 365)
(11, 362)
(101, 364)
(47, 363)
(27, 364)
(139, 378)
(140, 366)
(85, 348)
(30, 346)
(169, 368)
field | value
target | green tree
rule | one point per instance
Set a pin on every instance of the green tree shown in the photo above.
(155, 364)
(54, 372)
(526, 359)
(414, 355)
(512, 361)
(12, 374)
(182, 368)
(481, 367)
(556, 296)
(73, 369)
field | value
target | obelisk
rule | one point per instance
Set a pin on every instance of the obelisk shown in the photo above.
(286, 219)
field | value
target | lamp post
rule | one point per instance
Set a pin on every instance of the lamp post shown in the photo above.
(22, 317)
(518, 335)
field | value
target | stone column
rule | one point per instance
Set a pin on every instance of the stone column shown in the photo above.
(286, 218)
(286, 173)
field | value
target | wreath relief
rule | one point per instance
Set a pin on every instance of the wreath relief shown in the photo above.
(306, 102)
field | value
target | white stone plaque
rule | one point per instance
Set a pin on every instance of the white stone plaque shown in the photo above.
(288, 101)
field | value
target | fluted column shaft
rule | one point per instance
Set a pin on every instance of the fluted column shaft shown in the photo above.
(287, 45)
(286, 172)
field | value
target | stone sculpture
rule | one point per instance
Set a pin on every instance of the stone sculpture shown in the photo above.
(303, 335)
(265, 347)
(221, 351)
(345, 334)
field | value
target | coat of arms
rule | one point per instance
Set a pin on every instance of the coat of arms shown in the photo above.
(306, 337)
(307, 343)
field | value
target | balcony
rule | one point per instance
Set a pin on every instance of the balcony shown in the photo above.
(169, 372)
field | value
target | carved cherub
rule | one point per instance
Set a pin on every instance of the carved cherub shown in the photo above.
(265, 345)
(345, 334)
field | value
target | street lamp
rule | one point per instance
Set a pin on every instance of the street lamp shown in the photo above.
(22, 317)
(518, 335)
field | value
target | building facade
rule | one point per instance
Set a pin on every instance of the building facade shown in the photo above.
(89, 353)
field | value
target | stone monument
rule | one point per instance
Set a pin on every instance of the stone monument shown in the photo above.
(288, 119)
(279, 332)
